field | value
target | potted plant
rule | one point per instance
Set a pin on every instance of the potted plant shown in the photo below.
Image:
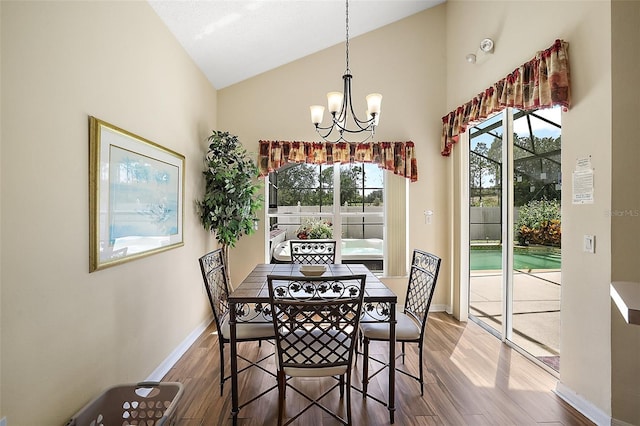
(314, 229)
(231, 197)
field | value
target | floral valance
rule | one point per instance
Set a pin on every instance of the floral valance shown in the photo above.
(543, 82)
(399, 157)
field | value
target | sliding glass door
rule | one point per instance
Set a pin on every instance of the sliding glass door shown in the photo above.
(486, 293)
(514, 230)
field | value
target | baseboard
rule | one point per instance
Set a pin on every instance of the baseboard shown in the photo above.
(439, 308)
(585, 407)
(169, 362)
(615, 422)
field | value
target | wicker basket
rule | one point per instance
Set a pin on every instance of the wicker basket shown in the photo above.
(145, 403)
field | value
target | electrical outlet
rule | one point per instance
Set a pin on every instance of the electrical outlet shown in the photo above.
(589, 244)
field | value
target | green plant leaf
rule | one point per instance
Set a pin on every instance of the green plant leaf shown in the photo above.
(231, 198)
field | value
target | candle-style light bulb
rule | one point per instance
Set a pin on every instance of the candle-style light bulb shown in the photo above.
(334, 101)
(317, 113)
(374, 100)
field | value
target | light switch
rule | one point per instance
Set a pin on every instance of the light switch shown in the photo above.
(589, 244)
(428, 214)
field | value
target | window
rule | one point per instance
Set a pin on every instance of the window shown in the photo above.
(300, 185)
(349, 196)
(361, 201)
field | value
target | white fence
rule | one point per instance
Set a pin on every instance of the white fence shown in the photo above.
(289, 218)
(485, 223)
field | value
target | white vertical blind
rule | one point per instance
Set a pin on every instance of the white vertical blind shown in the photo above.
(395, 238)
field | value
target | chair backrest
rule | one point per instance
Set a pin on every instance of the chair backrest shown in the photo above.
(316, 319)
(424, 259)
(422, 283)
(307, 252)
(215, 282)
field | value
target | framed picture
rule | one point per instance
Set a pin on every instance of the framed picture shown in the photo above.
(136, 196)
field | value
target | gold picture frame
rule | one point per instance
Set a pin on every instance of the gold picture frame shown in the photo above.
(136, 196)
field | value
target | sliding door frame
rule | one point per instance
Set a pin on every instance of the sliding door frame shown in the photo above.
(507, 220)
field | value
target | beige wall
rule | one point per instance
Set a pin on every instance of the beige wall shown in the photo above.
(68, 334)
(519, 29)
(405, 62)
(625, 204)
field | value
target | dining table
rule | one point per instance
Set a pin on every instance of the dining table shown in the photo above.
(249, 300)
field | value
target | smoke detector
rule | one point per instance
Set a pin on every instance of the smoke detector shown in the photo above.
(486, 45)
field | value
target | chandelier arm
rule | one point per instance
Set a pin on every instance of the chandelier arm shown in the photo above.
(330, 127)
(346, 101)
(347, 105)
(359, 122)
(340, 137)
(347, 84)
(363, 129)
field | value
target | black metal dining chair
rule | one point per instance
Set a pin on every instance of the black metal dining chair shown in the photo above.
(316, 322)
(411, 322)
(307, 252)
(215, 282)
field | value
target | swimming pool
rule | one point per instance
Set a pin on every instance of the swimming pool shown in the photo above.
(490, 258)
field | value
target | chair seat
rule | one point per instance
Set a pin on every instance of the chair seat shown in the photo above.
(318, 347)
(249, 330)
(406, 329)
(315, 371)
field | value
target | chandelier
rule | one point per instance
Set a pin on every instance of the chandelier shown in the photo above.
(341, 108)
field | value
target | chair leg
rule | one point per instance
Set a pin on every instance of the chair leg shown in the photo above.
(365, 367)
(341, 386)
(221, 346)
(282, 383)
(421, 370)
(349, 420)
(358, 348)
(403, 352)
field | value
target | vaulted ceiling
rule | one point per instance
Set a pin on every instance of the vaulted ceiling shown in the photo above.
(232, 40)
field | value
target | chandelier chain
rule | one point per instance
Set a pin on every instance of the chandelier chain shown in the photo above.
(348, 71)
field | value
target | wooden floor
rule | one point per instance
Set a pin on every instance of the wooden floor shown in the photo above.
(471, 378)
